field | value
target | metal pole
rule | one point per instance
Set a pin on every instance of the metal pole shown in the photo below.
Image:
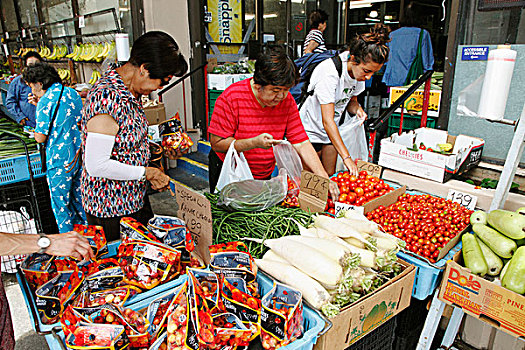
(511, 164)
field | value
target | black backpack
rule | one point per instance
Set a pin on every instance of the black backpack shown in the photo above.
(306, 65)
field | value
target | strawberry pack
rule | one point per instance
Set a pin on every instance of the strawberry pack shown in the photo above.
(146, 264)
(98, 336)
(95, 236)
(52, 297)
(173, 135)
(281, 316)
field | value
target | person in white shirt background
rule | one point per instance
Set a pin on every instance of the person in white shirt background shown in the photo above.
(333, 94)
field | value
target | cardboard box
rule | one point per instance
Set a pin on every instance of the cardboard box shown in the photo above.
(483, 299)
(222, 81)
(415, 102)
(155, 114)
(368, 313)
(395, 154)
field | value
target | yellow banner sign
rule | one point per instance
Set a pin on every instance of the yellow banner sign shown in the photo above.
(226, 24)
(415, 102)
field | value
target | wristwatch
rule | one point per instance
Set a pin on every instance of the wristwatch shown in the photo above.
(43, 242)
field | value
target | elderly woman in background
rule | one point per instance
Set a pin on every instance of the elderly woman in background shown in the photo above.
(57, 114)
(115, 130)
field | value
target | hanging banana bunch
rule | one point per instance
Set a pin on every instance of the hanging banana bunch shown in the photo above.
(64, 74)
(95, 76)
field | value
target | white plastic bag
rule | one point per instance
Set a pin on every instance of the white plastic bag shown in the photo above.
(235, 168)
(287, 158)
(354, 137)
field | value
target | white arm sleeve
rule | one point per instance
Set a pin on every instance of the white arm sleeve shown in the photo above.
(98, 163)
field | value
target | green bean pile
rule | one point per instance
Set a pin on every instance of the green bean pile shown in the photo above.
(274, 222)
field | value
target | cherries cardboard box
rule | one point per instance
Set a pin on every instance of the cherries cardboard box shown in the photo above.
(398, 153)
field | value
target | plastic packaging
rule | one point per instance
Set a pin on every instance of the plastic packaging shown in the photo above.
(234, 169)
(496, 84)
(287, 158)
(254, 195)
(354, 137)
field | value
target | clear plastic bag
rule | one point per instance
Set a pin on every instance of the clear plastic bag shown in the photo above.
(254, 195)
(354, 137)
(287, 158)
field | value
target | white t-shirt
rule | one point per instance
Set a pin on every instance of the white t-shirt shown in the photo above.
(328, 88)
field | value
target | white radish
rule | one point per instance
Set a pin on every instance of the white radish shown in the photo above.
(313, 292)
(385, 243)
(355, 215)
(331, 249)
(273, 256)
(305, 231)
(368, 258)
(337, 227)
(355, 242)
(362, 226)
(308, 260)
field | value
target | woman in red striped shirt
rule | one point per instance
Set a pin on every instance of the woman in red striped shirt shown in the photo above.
(258, 112)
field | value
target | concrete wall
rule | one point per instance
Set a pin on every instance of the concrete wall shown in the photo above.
(171, 16)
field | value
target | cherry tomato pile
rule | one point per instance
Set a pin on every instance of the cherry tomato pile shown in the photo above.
(424, 222)
(357, 190)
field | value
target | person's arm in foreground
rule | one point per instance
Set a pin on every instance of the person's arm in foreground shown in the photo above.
(64, 244)
(311, 160)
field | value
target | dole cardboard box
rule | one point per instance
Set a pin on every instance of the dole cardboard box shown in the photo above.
(483, 299)
(398, 153)
(366, 314)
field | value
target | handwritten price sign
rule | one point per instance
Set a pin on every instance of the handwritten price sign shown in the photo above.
(343, 206)
(314, 185)
(371, 169)
(465, 199)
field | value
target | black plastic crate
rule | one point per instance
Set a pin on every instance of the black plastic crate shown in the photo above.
(381, 338)
(11, 193)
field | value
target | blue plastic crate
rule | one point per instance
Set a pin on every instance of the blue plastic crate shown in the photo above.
(15, 169)
(427, 277)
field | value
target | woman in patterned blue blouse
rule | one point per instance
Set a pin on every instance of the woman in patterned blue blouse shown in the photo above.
(57, 114)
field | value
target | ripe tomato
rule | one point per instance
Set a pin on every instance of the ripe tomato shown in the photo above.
(359, 192)
(351, 197)
(342, 197)
(331, 211)
(352, 178)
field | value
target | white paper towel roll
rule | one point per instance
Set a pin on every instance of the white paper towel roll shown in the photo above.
(496, 84)
(122, 45)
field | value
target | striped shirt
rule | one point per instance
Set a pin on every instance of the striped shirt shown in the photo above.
(237, 113)
(317, 36)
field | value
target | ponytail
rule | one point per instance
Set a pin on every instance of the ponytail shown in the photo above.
(371, 46)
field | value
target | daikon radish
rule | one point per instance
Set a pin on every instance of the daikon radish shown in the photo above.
(355, 215)
(331, 249)
(305, 231)
(337, 227)
(309, 260)
(273, 256)
(313, 292)
(384, 243)
(355, 242)
(361, 225)
(368, 257)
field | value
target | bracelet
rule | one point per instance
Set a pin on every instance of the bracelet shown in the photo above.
(345, 158)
